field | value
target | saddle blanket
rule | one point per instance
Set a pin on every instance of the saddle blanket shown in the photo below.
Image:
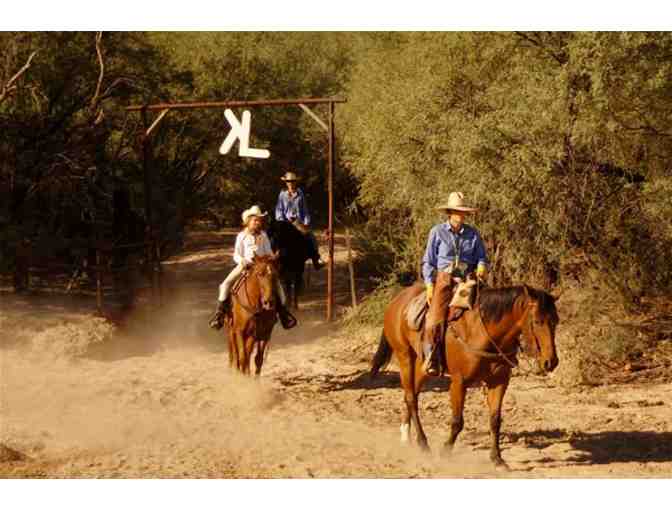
(416, 311)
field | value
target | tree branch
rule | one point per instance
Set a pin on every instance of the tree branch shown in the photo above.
(560, 59)
(96, 96)
(9, 86)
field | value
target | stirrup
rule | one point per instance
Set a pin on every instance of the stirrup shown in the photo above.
(429, 365)
(217, 321)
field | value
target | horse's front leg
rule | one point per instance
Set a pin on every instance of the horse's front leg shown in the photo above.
(242, 360)
(458, 391)
(495, 397)
(234, 356)
(298, 288)
(259, 357)
(247, 350)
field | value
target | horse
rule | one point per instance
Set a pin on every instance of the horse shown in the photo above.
(480, 347)
(294, 248)
(253, 314)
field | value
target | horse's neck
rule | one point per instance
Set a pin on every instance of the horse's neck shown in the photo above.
(507, 331)
(248, 294)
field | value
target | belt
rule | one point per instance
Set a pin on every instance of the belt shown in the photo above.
(453, 267)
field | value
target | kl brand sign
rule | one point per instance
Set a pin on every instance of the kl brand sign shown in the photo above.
(241, 131)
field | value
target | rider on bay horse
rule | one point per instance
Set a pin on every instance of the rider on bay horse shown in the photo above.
(251, 241)
(454, 252)
(292, 207)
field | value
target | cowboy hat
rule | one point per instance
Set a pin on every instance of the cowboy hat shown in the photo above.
(290, 176)
(456, 203)
(252, 211)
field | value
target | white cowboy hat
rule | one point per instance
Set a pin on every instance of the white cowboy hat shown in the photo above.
(290, 176)
(252, 211)
(456, 203)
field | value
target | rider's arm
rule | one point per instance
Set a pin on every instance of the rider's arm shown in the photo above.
(303, 210)
(429, 260)
(239, 250)
(280, 208)
(481, 255)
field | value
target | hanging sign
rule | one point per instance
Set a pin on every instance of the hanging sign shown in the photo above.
(241, 131)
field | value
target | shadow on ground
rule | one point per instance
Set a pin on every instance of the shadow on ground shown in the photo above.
(603, 447)
(361, 380)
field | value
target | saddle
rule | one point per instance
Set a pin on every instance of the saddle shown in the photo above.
(416, 311)
(462, 300)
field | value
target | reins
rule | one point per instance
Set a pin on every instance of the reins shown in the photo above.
(481, 353)
(243, 282)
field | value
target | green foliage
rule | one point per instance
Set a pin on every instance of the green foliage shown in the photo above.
(562, 140)
(558, 138)
(372, 309)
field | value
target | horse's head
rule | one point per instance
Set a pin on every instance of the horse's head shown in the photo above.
(264, 272)
(540, 320)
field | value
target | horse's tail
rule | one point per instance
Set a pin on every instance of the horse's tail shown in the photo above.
(382, 357)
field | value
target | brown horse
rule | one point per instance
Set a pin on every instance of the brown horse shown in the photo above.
(253, 314)
(480, 347)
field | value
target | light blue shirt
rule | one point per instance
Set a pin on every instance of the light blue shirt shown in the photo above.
(292, 208)
(443, 247)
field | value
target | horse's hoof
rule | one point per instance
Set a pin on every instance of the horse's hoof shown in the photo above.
(500, 465)
(404, 428)
(424, 447)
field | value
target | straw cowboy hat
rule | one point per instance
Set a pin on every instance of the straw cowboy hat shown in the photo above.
(252, 211)
(456, 203)
(290, 177)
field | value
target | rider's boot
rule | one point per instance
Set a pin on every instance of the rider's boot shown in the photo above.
(430, 364)
(217, 320)
(317, 263)
(287, 320)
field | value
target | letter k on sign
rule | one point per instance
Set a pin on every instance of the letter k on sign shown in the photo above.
(241, 131)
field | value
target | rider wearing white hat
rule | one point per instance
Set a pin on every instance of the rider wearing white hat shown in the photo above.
(454, 252)
(293, 207)
(250, 242)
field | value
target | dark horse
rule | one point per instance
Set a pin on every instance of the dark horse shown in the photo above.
(294, 249)
(253, 314)
(480, 347)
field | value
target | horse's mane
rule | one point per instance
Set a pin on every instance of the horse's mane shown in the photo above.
(495, 303)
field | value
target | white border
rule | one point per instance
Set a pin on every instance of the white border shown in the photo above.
(293, 15)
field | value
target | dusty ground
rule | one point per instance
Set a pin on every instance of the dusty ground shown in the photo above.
(154, 398)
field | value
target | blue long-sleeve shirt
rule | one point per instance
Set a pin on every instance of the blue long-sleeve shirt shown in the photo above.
(294, 207)
(443, 245)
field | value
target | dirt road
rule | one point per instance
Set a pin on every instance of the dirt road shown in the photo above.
(155, 398)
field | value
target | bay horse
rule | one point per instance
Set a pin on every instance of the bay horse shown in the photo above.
(253, 314)
(294, 249)
(480, 347)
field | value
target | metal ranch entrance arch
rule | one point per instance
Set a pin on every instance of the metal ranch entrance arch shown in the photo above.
(164, 108)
